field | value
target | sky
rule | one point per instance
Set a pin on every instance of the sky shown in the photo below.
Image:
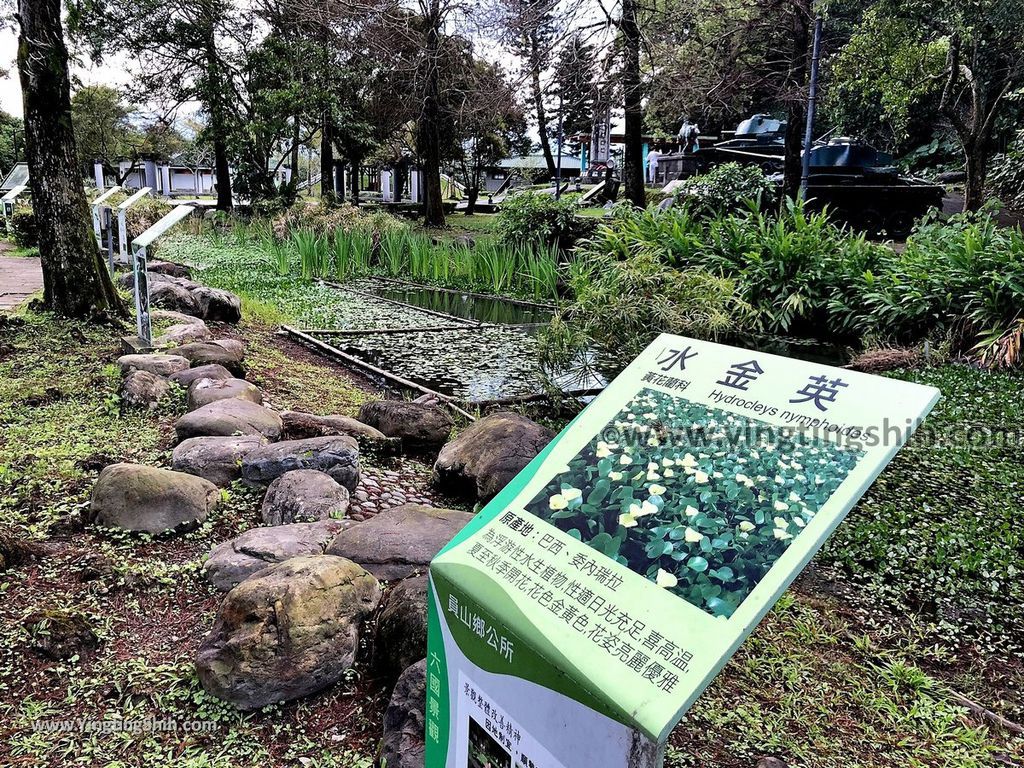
(111, 72)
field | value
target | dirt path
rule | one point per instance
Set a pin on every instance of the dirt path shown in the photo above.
(19, 279)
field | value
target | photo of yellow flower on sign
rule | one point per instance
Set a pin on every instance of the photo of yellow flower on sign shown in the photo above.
(698, 500)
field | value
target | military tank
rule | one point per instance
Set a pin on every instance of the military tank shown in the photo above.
(859, 185)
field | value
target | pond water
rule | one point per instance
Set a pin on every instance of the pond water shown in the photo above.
(483, 309)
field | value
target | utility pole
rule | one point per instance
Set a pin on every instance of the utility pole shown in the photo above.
(812, 98)
(558, 167)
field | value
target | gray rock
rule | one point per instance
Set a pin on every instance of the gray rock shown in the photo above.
(168, 268)
(229, 417)
(405, 721)
(218, 459)
(142, 389)
(226, 352)
(215, 304)
(771, 762)
(287, 631)
(304, 496)
(402, 627)
(421, 428)
(299, 426)
(400, 541)
(488, 454)
(150, 500)
(337, 456)
(205, 391)
(186, 377)
(182, 295)
(233, 561)
(183, 333)
(161, 365)
(176, 317)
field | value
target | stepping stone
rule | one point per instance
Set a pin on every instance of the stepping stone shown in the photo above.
(337, 456)
(233, 561)
(422, 428)
(183, 333)
(213, 371)
(304, 496)
(168, 268)
(161, 365)
(488, 454)
(226, 352)
(225, 418)
(400, 541)
(142, 389)
(218, 459)
(182, 295)
(286, 632)
(299, 425)
(205, 391)
(135, 497)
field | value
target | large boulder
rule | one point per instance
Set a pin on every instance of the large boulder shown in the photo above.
(233, 561)
(403, 745)
(189, 375)
(304, 496)
(182, 295)
(160, 365)
(169, 268)
(287, 631)
(422, 428)
(218, 459)
(142, 389)
(488, 454)
(299, 425)
(337, 456)
(150, 500)
(397, 543)
(229, 417)
(183, 333)
(226, 352)
(205, 391)
(402, 627)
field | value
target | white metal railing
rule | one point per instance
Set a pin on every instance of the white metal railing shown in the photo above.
(122, 223)
(140, 247)
(101, 220)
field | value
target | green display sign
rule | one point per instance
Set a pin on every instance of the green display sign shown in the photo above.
(581, 613)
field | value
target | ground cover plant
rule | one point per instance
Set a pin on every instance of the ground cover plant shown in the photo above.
(696, 499)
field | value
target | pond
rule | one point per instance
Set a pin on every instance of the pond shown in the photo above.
(471, 306)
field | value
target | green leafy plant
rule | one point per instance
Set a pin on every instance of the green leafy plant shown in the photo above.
(726, 188)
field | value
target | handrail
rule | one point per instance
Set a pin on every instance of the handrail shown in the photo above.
(122, 222)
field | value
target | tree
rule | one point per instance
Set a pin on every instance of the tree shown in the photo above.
(12, 141)
(632, 90)
(489, 123)
(574, 85)
(75, 279)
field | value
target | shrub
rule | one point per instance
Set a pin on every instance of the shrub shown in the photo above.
(528, 217)
(316, 218)
(726, 188)
(23, 227)
(144, 214)
(1006, 179)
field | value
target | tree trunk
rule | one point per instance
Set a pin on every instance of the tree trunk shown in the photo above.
(76, 282)
(538, 106)
(218, 126)
(472, 193)
(327, 193)
(429, 144)
(796, 106)
(977, 170)
(355, 183)
(633, 170)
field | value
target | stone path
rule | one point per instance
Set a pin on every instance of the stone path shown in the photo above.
(19, 279)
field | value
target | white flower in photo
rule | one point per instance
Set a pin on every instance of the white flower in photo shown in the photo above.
(717, 475)
(779, 480)
(653, 442)
(627, 521)
(799, 522)
(781, 506)
(700, 477)
(652, 475)
(667, 462)
(794, 497)
(603, 450)
(652, 465)
(781, 535)
(625, 459)
(665, 579)
(657, 490)
(645, 509)
(693, 536)
(669, 473)
(571, 494)
(691, 511)
(687, 461)
(746, 525)
(781, 522)
(557, 502)
(615, 476)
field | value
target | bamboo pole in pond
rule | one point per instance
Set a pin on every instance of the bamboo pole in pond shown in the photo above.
(386, 375)
(367, 331)
(445, 315)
